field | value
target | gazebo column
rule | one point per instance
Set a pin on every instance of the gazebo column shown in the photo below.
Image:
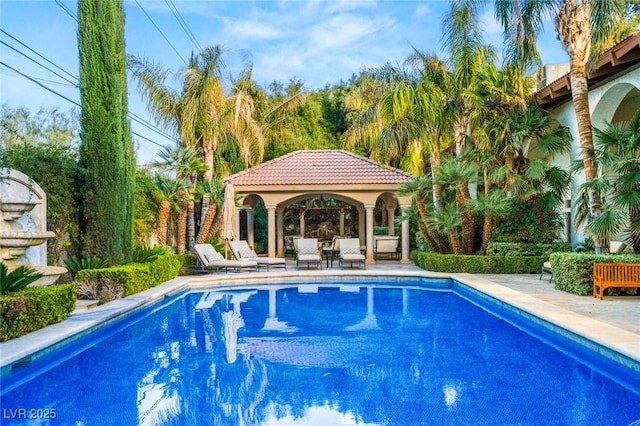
(390, 219)
(302, 230)
(361, 226)
(405, 240)
(369, 224)
(236, 225)
(341, 221)
(250, 228)
(271, 231)
(280, 231)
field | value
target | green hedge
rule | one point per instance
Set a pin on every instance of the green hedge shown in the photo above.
(124, 280)
(33, 308)
(479, 264)
(524, 249)
(573, 272)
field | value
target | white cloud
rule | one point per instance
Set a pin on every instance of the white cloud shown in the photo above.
(422, 10)
(250, 29)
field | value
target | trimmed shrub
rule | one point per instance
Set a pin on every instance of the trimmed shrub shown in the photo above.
(573, 272)
(111, 283)
(33, 308)
(479, 264)
(526, 249)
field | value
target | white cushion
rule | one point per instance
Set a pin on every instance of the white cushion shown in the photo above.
(352, 256)
(307, 250)
(245, 254)
(349, 250)
(213, 257)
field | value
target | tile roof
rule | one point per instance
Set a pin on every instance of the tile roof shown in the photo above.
(319, 167)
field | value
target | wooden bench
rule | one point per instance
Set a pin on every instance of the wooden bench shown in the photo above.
(607, 275)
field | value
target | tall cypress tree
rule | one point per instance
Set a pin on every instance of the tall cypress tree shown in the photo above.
(106, 152)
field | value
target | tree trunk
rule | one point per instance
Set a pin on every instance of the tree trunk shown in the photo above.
(182, 229)
(205, 233)
(437, 242)
(486, 233)
(573, 25)
(163, 220)
(191, 225)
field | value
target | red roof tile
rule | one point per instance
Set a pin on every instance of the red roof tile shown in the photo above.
(319, 167)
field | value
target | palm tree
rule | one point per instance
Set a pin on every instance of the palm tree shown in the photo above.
(617, 151)
(169, 192)
(185, 164)
(492, 205)
(581, 25)
(214, 189)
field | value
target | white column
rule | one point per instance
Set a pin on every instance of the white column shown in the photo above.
(369, 232)
(341, 221)
(271, 230)
(361, 226)
(390, 220)
(280, 232)
(302, 230)
(236, 225)
(405, 241)
(250, 228)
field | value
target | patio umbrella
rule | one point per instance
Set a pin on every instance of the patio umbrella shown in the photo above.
(228, 216)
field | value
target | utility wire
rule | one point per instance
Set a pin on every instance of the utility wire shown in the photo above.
(183, 24)
(68, 99)
(76, 85)
(66, 9)
(43, 66)
(18, 41)
(160, 31)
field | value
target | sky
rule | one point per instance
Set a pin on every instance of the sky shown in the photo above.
(318, 42)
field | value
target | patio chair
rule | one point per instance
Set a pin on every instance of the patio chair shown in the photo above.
(308, 252)
(546, 269)
(350, 252)
(385, 245)
(242, 251)
(209, 258)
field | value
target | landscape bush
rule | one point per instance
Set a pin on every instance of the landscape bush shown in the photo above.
(479, 264)
(32, 308)
(526, 249)
(119, 281)
(573, 272)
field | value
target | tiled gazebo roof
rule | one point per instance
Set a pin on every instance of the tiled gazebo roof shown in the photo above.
(319, 167)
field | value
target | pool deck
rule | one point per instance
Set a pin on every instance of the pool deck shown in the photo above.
(611, 326)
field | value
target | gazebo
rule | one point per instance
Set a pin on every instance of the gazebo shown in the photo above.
(335, 174)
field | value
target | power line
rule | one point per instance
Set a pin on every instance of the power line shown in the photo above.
(160, 31)
(21, 43)
(66, 9)
(183, 24)
(75, 84)
(69, 100)
(43, 66)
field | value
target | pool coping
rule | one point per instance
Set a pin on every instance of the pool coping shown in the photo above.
(619, 345)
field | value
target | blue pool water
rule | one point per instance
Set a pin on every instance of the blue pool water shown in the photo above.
(360, 354)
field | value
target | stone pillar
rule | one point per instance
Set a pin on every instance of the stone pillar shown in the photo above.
(250, 229)
(341, 221)
(361, 226)
(390, 220)
(405, 241)
(302, 230)
(236, 225)
(271, 230)
(369, 232)
(280, 232)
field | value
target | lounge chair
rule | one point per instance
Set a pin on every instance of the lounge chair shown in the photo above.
(308, 252)
(350, 252)
(209, 258)
(242, 251)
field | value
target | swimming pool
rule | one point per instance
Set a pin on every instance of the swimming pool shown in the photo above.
(315, 353)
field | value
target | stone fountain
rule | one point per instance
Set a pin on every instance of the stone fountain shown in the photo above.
(23, 226)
